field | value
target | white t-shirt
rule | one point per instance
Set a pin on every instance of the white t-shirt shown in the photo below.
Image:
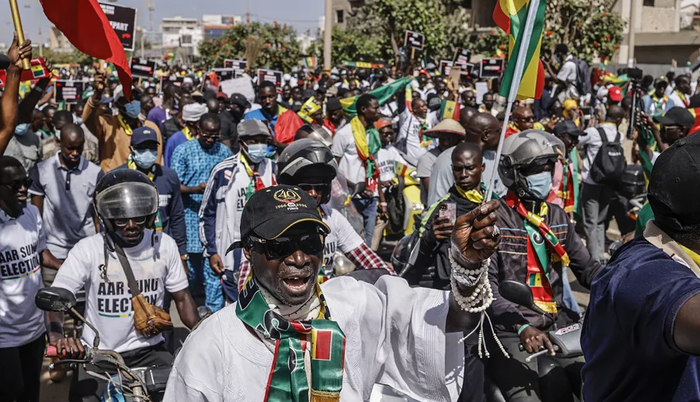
(409, 138)
(394, 335)
(342, 236)
(22, 240)
(567, 73)
(386, 159)
(344, 147)
(592, 142)
(156, 268)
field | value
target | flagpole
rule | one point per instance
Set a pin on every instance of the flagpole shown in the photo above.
(514, 86)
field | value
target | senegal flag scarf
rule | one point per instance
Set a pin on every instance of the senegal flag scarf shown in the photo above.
(368, 144)
(541, 241)
(568, 191)
(322, 337)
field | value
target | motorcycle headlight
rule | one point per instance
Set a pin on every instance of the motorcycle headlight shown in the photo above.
(413, 175)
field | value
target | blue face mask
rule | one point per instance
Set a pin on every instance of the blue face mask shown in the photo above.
(257, 152)
(145, 158)
(133, 109)
(22, 129)
(540, 184)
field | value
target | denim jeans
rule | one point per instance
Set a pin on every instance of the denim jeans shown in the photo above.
(200, 273)
(367, 207)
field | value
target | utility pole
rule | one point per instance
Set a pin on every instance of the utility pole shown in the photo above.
(247, 12)
(143, 40)
(327, 37)
(631, 33)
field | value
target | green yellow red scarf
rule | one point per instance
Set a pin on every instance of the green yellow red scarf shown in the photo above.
(368, 144)
(569, 188)
(322, 337)
(540, 238)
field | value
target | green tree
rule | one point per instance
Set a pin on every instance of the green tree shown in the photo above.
(384, 23)
(348, 45)
(280, 50)
(76, 56)
(588, 27)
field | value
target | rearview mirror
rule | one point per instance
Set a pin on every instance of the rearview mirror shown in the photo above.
(55, 299)
(518, 293)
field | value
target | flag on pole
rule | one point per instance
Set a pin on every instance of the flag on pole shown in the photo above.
(450, 110)
(86, 26)
(310, 61)
(383, 94)
(409, 98)
(511, 16)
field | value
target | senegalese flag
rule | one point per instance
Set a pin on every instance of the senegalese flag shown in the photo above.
(511, 16)
(400, 169)
(409, 98)
(450, 110)
(310, 61)
(383, 94)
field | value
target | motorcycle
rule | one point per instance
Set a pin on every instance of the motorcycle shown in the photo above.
(403, 197)
(566, 342)
(129, 384)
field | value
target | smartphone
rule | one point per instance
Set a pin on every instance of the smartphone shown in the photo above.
(449, 210)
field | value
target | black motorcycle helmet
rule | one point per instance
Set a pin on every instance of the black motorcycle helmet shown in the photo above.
(125, 194)
(305, 158)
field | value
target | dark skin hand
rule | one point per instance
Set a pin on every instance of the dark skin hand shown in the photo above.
(473, 236)
(535, 340)
(8, 105)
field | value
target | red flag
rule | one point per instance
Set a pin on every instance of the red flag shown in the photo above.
(287, 125)
(86, 26)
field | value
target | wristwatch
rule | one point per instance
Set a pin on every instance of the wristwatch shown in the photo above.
(185, 257)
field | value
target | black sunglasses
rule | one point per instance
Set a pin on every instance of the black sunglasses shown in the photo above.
(283, 247)
(17, 184)
(320, 188)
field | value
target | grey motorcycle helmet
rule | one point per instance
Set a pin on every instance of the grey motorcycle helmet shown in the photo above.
(125, 194)
(524, 150)
(303, 158)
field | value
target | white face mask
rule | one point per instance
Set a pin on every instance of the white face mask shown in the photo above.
(257, 152)
(145, 158)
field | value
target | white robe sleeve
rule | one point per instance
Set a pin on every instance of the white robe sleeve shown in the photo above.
(196, 375)
(415, 355)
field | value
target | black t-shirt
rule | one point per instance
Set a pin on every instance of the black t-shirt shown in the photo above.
(627, 335)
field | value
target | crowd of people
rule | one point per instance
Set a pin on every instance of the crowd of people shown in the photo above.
(256, 206)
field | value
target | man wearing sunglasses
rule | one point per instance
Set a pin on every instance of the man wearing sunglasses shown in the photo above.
(231, 184)
(126, 201)
(541, 243)
(289, 338)
(523, 119)
(310, 165)
(23, 251)
(193, 162)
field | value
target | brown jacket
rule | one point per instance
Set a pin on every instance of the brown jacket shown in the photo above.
(114, 141)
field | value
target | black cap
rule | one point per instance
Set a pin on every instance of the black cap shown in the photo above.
(273, 210)
(677, 116)
(673, 188)
(239, 99)
(567, 127)
(333, 104)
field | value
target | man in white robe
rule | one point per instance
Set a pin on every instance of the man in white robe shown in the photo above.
(405, 338)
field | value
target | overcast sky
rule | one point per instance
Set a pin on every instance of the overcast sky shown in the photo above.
(302, 14)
